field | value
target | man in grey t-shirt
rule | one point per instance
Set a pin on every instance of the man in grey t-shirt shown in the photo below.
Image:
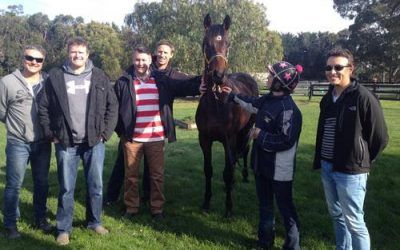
(78, 113)
(25, 142)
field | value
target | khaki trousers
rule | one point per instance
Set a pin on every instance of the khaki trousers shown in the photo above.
(133, 153)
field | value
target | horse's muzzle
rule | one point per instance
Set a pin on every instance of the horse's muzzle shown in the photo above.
(218, 77)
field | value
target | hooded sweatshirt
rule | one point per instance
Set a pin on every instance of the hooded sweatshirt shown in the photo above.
(78, 86)
(18, 107)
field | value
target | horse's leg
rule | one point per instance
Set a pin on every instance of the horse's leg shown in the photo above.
(228, 175)
(245, 172)
(206, 145)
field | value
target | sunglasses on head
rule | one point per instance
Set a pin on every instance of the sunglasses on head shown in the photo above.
(336, 67)
(31, 58)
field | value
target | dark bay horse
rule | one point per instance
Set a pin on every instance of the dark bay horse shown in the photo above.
(218, 120)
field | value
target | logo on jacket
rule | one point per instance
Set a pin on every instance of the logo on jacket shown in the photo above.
(267, 119)
(352, 108)
(72, 87)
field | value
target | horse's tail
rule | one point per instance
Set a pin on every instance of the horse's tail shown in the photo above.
(243, 138)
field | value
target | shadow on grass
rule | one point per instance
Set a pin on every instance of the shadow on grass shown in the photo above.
(184, 187)
(26, 206)
(184, 190)
(29, 242)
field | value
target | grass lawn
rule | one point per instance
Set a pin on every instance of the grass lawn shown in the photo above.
(186, 227)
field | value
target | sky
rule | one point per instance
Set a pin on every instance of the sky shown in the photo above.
(292, 16)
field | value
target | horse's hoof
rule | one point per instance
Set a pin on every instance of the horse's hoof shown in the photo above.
(228, 215)
(205, 211)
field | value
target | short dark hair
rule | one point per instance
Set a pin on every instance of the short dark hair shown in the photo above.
(35, 47)
(142, 49)
(80, 41)
(340, 52)
(166, 42)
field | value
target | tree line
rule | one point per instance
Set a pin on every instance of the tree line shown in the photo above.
(374, 37)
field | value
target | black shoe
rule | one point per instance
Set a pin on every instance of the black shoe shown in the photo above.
(129, 216)
(145, 198)
(12, 233)
(44, 225)
(158, 217)
(266, 239)
(266, 246)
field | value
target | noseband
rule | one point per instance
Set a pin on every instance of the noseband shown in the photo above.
(209, 61)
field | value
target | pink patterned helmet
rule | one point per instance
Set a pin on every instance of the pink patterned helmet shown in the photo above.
(285, 76)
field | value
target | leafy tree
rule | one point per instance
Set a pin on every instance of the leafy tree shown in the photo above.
(374, 36)
(15, 10)
(309, 50)
(61, 28)
(39, 25)
(14, 34)
(181, 21)
(106, 48)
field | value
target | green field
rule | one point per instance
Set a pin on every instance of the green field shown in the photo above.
(186, 227)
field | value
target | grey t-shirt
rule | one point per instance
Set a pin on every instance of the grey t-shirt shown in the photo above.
(78, 87)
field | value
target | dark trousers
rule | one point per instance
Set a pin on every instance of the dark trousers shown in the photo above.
(117, 178)
(282, 190)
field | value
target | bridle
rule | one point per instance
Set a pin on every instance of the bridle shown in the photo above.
(215, 88)
(209, 61)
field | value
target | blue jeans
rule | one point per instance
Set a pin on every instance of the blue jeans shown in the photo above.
(19, 154)
(282, 190)
(67, 166)
(344, 194)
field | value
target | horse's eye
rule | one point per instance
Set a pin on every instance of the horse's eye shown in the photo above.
(218, 38)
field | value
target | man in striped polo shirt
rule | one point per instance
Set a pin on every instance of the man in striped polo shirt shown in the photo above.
(161, 63)
(144, 121)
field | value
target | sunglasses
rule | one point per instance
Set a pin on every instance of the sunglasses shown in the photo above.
(31, 58)
(336, 67)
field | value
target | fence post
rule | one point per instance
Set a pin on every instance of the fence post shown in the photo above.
(310, 90)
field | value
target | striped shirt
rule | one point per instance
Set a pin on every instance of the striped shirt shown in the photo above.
(328, 138)
(148, 126)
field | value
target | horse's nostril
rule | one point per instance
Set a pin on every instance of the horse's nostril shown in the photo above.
(218, 78)
(218, 74)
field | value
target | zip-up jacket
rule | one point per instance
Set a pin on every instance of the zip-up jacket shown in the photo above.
(173, 74)
(360, 132)
(279, 120)
(55, 116)
(168, 90)
(170, 72)
(18, 108)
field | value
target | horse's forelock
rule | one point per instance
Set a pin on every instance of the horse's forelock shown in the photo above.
(217, 30)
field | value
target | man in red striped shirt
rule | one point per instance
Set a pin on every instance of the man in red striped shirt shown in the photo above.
(144, 121)
(161, 62)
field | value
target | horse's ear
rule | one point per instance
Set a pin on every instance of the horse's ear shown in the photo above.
(207, 21)
(227, 22)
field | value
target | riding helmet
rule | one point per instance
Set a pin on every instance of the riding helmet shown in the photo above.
(285, 76)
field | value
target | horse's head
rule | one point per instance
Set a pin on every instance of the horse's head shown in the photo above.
(215, 49)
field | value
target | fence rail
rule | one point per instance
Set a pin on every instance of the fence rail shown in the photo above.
(383, 91)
